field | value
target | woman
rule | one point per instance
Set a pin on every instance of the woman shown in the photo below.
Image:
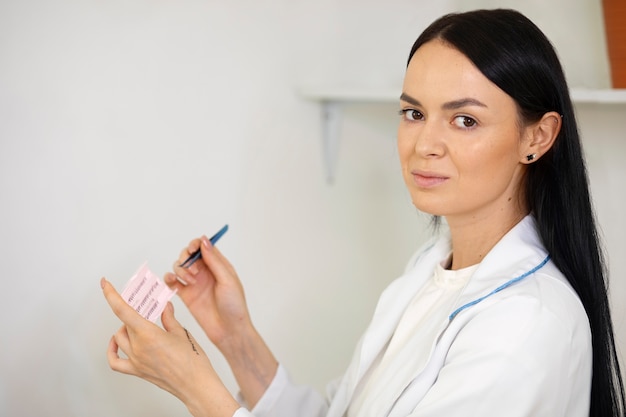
(506, 314)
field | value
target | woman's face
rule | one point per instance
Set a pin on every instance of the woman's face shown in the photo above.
(459, 140)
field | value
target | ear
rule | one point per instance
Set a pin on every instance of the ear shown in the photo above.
(540, 137)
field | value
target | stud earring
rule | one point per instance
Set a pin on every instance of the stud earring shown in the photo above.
(531, 157)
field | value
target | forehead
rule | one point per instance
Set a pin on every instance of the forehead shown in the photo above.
(440, 73)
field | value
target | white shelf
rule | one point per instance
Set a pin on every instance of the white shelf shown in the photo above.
(347, 95)
(607, 96)
(332, 101)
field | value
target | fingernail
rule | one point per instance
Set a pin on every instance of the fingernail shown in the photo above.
(102, 282)
(206, 242)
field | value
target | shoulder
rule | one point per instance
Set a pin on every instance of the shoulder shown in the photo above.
(530, 343)
(538, 314)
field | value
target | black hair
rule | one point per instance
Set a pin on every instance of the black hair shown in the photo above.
(513, 53)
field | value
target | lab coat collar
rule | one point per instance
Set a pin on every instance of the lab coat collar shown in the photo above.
(519, 251)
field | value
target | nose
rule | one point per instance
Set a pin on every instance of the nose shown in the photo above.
(429, 139)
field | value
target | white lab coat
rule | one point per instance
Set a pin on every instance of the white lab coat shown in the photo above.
(524, 350)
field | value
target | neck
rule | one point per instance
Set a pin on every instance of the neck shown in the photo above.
(473, 238)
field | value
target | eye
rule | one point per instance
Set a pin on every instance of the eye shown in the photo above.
(464, 122)
(411, 114)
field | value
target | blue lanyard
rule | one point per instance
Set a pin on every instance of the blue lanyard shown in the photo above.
(500, 288)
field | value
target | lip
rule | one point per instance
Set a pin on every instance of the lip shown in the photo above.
(426, 179)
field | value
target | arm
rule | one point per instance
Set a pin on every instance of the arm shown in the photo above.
(212, 291)
(169, 358)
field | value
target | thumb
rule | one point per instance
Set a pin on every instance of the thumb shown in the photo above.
(219, 266)
(210, 258)
(169, 321)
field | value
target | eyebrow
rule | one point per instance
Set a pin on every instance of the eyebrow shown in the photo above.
(450, 105)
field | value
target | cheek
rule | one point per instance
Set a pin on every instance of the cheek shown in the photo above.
(490, 176)
(405, 146)
(487, 164)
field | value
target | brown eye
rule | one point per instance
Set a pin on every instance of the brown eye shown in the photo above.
(412, 114)
(465, 122)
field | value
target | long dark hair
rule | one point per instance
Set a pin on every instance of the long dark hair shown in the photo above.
(516, 56)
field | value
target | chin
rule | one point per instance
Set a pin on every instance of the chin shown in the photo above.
(430, 210)
(434, 208)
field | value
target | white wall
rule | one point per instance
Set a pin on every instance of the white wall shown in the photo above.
(129, 127)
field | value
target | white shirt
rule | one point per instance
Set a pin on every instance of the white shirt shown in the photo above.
(421, 321)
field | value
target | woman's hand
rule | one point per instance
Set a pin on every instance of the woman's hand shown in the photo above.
(211, 289)
(169, 358)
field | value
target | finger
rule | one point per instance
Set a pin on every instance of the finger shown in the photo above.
(174, 282)
(122, 339)
(184, 275)
(193, 246)
(115, 362)
(218, 264)
(122, 310)
(187, 274)
(168, 320)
